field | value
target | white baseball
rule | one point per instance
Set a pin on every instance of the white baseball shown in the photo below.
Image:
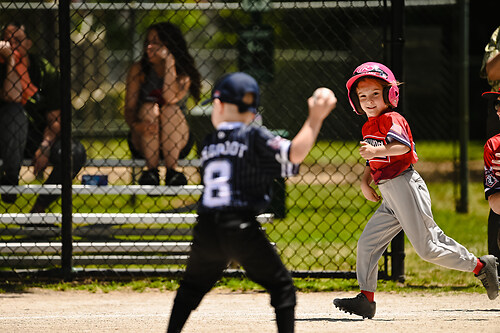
(323, 92)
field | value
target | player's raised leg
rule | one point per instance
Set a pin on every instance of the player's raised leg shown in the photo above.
(409, 199)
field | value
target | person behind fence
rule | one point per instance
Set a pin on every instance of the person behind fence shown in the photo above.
(239, 163)
(490, 70)
(491, 166)
(156, 93)
(390, 153)
(30, 115)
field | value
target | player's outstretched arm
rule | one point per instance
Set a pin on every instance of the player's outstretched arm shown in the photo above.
(320, 104)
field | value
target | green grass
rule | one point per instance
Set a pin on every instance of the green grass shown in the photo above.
(468, 229)
(317, 232)
(338, 152)
(113, 148)
(335, 152)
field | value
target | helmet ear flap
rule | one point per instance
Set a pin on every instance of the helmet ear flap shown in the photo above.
(391, 95)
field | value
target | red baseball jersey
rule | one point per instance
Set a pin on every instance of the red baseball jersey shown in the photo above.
(383, 130)
(491, 182)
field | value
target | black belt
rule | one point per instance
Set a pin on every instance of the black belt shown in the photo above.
(229, 219)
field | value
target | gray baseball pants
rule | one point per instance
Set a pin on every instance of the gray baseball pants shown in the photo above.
(406, 206)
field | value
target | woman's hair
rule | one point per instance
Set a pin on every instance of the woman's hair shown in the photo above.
(171, 36)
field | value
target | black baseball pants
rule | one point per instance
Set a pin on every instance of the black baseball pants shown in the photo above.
(215, 245)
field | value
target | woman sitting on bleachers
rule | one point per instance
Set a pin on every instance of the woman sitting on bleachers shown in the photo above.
(157, 89)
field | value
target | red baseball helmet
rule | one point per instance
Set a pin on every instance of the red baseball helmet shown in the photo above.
(377, 70)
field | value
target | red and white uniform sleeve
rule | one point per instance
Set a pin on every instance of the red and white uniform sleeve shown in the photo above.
(491, 182)
(382, 130)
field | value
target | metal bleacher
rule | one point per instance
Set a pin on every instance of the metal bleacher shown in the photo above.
(32, 240)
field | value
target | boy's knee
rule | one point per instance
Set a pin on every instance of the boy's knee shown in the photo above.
(361, 246)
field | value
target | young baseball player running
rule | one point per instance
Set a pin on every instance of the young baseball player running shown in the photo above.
(491, 174)
(390, 152)
(239, 163)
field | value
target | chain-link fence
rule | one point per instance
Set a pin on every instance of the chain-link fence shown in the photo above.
(129, 213)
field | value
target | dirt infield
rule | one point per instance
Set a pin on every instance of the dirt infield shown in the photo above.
(224, 311)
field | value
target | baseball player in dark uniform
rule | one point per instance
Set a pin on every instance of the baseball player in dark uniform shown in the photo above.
(239, 163)
(390, 152)
(492, 177)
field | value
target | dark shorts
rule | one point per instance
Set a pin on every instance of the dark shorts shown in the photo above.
(491, 191)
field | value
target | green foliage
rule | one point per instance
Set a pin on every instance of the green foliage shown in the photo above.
(187, 21)
(439, 151)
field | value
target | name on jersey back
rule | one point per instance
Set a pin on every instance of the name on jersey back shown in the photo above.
(232, 148)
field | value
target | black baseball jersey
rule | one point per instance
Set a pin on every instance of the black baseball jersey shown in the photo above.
(239, 163)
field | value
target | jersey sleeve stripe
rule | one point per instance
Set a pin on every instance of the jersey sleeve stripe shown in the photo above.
(399, 138)
(287, 167)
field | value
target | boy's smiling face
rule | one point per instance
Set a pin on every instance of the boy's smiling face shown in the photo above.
(371, 97)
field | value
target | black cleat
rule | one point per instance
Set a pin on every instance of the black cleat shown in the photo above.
(358, 305)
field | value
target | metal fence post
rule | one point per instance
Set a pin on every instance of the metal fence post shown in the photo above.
(463, 104)
(66, 197)
(397, 43)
